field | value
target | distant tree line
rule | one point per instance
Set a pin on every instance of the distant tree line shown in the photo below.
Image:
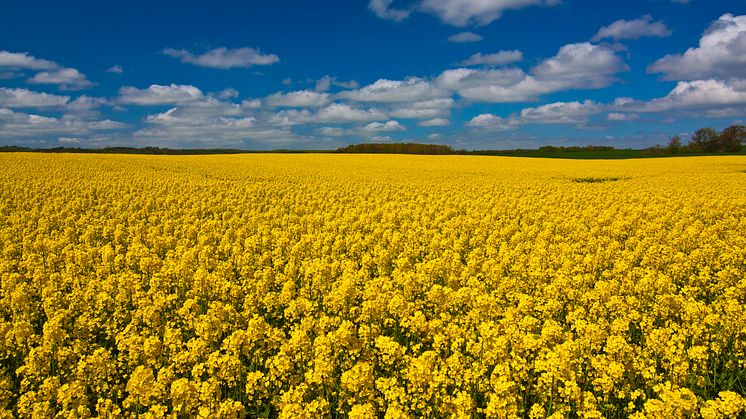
(397, 148)
(545, 150)
(707, 140)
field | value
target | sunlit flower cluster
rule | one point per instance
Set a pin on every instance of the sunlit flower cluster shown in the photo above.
(371, 286)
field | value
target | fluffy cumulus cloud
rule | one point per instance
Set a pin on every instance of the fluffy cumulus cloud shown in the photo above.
(504, 85)
(576, 66)
(721, 53)
(488, 121)
(335, 113)
(65, 78)
(211, 122)
(435, 122)
(620, 116)
(298, 99)
(560, 113)
(325, 83)
(456, 12)
(476, 12)
(24, 98)
(633, 29)
(383, 9)
(158, 95)
(224, 58)
(704, 98)
(575, 112)
(464, 37)
(423, 109)
(497, 58)
(696, 94)
(24, 61)
(391, 91)
(116, 69)
(227, 93)
(384, 126)
(594, 65)
(18, 124)
(341, 113)
(49, 72)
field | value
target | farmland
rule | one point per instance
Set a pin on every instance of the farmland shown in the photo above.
(323, 285)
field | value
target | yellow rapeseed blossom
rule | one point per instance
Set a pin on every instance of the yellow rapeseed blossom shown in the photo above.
(307, 286)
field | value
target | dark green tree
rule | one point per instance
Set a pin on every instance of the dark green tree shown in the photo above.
(704, 140)
(674, 145)
(731, 139)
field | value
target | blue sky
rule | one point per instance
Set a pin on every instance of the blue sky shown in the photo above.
(492, 74)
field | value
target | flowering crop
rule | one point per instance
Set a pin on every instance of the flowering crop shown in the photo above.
(371, 286)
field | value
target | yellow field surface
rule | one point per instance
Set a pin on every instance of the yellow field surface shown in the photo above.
(371, 286)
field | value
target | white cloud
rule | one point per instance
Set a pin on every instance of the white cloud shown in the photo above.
(339, 112)
(65, 78)
(325, 83)
(477, 12)
(23, 60)
(498, 86)
(185, 116)
(224, 58)
(706, 98)
(384, 126)
(209, 121)
(85, 107)
(456, 12)
(227, 93)
(392, 91)
(498, 58)
(697, 94)
(251, 103)
(463, 37)
(383, 9)
(24, 98)
(18, 124)
(159, 95)
(423, 109)
(290, 117)
(618, 116)
(576, 66)
(560, 112)
(591, 65)
(550, 113)
(298, 99)
(633, 29)
(333, 113)
(435, 122)
(415, 113)
(331, 131)
(488, 121)
(117, 69)
(721, 53)
(49, 71)
(69, 140)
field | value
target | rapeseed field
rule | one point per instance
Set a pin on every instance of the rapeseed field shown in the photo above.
(371, 286)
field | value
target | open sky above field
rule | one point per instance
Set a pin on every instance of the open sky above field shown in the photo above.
(492, 74)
